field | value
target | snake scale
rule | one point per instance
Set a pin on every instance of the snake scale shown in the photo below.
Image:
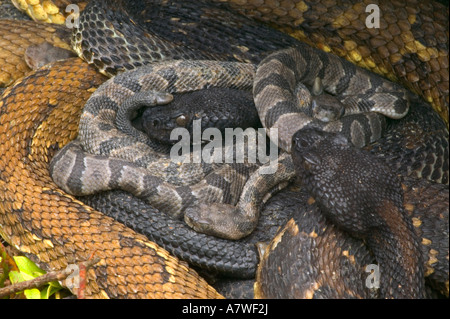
(410, 45)
(322, 160)
(292, 267)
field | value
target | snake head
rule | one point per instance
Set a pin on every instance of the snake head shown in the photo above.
(307, 147)
(217, 108)
(301, 145)
(159, 122)
(327, 108)
(324, 106)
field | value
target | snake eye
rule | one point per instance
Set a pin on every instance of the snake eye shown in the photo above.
(156, 122)
(182, 120)
(301, 142)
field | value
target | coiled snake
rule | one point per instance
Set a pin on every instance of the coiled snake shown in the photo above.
(378, 215)
(82, 174)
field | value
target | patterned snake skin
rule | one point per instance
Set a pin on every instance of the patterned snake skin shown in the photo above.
(312, 258)
(78, 174)
(410, 45)
(70, 231)
(154, 176)
(277, 79)
(330, 168)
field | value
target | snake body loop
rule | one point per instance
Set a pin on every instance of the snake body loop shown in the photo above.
(136, 37)
(361, 92)
(136, 167)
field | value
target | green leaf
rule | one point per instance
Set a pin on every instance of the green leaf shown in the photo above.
(50, 289)
(28, 267)
(28, 271)
(55, 284)
(32, 293)
(45, 292)
(16, 276)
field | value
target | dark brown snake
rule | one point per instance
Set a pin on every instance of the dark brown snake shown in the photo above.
(309, 249)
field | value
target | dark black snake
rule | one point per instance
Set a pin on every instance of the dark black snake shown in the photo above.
(132, 87)
(218, 108)
(312, 258)
(373, 210)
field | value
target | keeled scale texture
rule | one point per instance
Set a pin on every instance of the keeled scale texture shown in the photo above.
(54, 228)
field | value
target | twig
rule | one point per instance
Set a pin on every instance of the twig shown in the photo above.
(83, 270)
(44, 279)
(7, 264)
